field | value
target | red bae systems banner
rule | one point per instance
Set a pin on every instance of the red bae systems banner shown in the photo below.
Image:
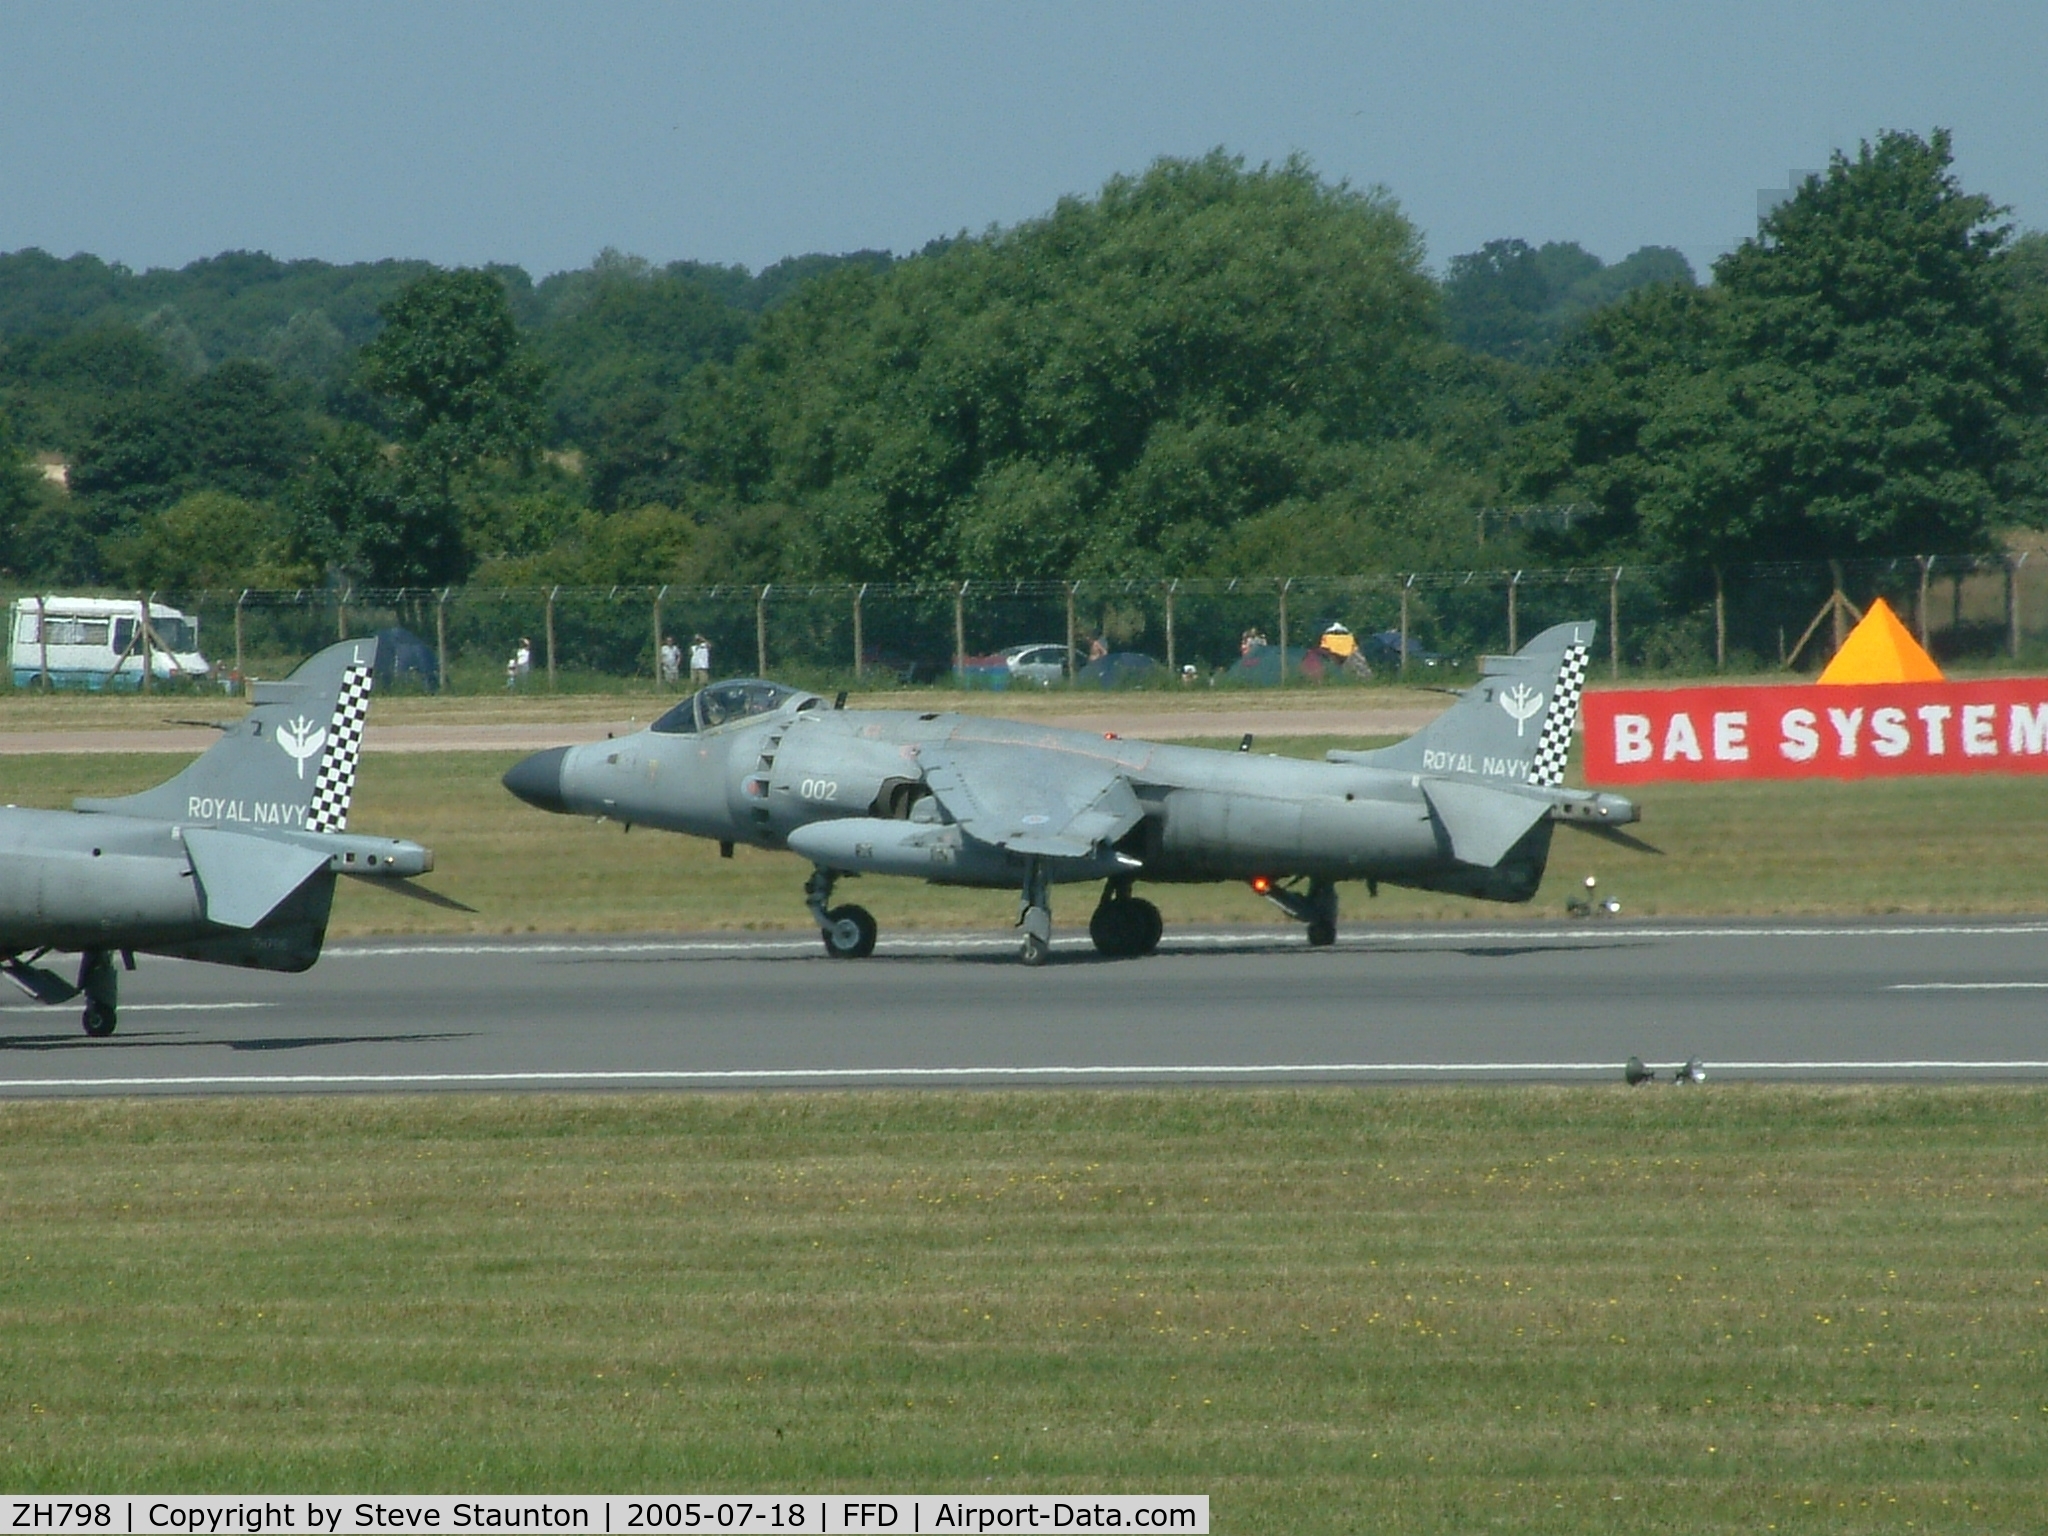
(1860, 731)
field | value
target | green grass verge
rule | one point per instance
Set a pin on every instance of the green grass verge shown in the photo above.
(1731, 1308)
(1933, 846)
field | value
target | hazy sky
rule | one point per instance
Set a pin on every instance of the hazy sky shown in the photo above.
(153, 134)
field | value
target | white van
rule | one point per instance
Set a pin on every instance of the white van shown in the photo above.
(93, 642)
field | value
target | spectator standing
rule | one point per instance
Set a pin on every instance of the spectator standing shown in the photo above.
(700, 661)
(671, 660)
(520, 665)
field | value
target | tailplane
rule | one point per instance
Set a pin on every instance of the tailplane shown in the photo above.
(290, 764)
(1514, 726)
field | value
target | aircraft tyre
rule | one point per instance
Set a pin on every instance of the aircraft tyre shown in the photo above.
(1321, 934)
(850, 933)
(100, 983)
(1126, 928)
(1036, 950)
(1111, 931)
(1154, 925)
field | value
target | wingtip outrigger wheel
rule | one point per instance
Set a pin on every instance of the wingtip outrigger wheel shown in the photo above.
(848, 931)
(1034, 915)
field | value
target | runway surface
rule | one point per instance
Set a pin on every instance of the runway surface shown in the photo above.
(1512, 1001)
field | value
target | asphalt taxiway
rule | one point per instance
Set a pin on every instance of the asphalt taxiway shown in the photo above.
(1881, 1000)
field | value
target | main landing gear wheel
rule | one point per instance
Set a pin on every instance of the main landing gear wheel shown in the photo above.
(849, 933)
(1125, 928)
(100, 983)
(1316, 907)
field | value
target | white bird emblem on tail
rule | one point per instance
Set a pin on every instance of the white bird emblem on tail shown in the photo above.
(1521, 703)
(301, 739)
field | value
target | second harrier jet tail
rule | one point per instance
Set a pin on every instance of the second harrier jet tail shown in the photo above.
(1514, 726)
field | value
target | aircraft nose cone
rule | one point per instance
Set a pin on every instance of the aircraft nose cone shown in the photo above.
(538, 779)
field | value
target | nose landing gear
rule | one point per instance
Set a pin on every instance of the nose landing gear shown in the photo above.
(848, 931)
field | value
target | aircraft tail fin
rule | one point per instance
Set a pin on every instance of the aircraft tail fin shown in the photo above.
(290, 764)
(1514, 726)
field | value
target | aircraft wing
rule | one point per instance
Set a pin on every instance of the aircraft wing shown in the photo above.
(1483, 822)
(244, 878)
(1031, 800)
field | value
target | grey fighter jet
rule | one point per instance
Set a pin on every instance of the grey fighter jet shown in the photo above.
(1467, 805)
(233, 861)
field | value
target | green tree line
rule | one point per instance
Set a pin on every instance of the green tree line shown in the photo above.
(1205, 368)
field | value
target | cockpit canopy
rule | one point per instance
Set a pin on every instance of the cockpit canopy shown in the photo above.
(723, 703)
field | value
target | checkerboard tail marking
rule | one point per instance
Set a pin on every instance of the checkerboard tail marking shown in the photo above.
(337, 781)
(1546, 768)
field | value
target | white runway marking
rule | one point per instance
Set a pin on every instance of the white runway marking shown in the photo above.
(1255, 938)
(1969, 986)
(129, 1008)
(828, 1076)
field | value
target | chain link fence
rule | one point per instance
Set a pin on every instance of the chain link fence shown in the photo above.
(1657, 620)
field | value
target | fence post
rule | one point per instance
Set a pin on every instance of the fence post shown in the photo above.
(441, 641)
(239, 673)
(341, 613)
(148, 655)
(1837, 608)
(658, 596)
(1172, 670)
(761, 631)
(43, 641)
(552, 591)
(859, 649)
(960, 633)
(1614, 624)
(1720, 623)
(1072, 670)
(1283, 629)
(2012, 602)
(1514, 629)
(1406, 587)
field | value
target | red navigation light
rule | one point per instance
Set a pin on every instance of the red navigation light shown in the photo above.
(1262, 885)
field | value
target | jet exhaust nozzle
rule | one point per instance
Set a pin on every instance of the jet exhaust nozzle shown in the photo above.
(538, 779)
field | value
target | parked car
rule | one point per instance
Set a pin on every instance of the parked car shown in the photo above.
(97, 642)
(1040, 664)
(1044, 663)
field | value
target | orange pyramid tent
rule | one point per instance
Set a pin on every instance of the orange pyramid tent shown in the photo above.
(1881, 650)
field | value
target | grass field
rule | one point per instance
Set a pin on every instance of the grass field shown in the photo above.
(25, 710)
(1954, 846)
(1550, 1310)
